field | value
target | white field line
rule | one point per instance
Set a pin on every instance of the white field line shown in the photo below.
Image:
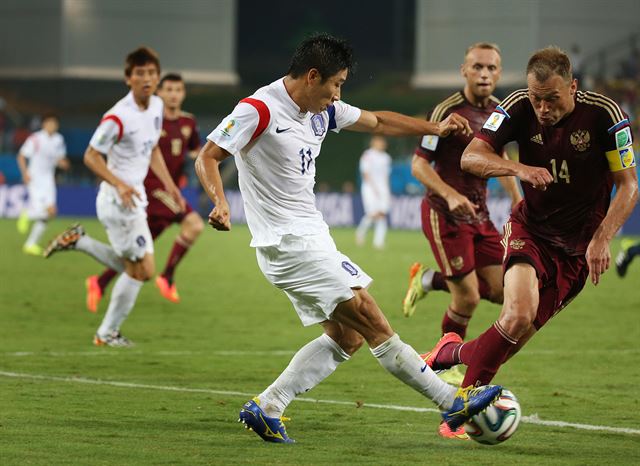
(127, 352)
(533, 419)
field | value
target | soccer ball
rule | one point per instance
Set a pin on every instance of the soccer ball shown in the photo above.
(497, 422)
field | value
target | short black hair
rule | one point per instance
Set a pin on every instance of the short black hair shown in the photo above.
(140, 57)
(48, 115)
(173, 77)
(327, 54)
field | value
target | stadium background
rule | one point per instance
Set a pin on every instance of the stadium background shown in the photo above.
(66, 56)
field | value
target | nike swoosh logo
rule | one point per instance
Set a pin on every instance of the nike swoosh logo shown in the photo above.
(424, 368)
(278, 130)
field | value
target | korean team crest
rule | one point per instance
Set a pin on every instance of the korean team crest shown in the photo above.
(186, 131)
(516, 244)
(457, 262)
(317, 125)
(580, 140)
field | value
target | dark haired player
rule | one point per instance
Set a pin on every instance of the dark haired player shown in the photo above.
(275, 136)
(128, 137)
(574, 147)
(179, 138)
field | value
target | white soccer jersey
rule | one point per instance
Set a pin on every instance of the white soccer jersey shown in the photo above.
(375, 169)
(276, 170)
(43, 151)
(127, 134)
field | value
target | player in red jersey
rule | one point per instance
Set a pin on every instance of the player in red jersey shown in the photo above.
(455, 217)
(179, 139)
(574, 146)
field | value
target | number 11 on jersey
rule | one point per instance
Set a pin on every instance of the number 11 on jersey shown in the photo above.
(305, 159)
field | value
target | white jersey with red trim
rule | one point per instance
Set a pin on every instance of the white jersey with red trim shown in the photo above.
(43, 151)
(275, 147)
(126, 135)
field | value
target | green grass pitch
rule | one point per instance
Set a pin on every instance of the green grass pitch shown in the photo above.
(175, 397)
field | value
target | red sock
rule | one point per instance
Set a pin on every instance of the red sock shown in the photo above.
(450, 325)
(485, 355)
(105, 279)
(180, 248)
(438, 282)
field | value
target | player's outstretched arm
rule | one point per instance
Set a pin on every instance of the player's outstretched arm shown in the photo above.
(397, 124)
(208, 171)
(422, 170)
(159, 168)
(480, 159)
(510, 185)
(598, 252)
(95, 162)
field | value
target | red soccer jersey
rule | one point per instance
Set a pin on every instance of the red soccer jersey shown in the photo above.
(567, 214)
(446, 154)
(178, 137)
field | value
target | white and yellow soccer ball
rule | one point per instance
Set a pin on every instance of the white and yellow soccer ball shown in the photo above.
(498, 422)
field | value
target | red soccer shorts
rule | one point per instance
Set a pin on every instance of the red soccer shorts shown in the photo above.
(460, 248)
(163, 211)
(560, 276)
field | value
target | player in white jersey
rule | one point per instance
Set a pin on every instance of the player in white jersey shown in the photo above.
(128, 136)
(275, 137)
(375, 169)
(38, 159)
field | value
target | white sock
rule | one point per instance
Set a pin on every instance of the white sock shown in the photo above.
(427, 280)
(362, 229)
(403, 362)
(123, 297)
(380, 233)
(37, 230)
(101, 252)
(313, 363)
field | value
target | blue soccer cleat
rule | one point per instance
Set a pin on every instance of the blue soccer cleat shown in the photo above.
(468, 402)
(271, 429)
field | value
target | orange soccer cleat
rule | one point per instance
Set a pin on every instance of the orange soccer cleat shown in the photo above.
(430, 357)
(445, 431)
(168, 291)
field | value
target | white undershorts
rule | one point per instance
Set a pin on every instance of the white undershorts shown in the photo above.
(127, 229)
(313, 273)
(375, 203)
(41, 197)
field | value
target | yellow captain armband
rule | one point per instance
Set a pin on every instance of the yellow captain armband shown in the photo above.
(621, 159)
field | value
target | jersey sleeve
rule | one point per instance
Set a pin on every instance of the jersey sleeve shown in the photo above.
(194, 139)
(108, 133)
(236, 130)
(619, 142)
(61, 148)
(342, 115)
(427, 144)
(500, 127)
(28, 148)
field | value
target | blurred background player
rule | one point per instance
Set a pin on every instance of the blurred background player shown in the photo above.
(375, 169)
(128, 136)
(38, 158)
(294, 247)
(179, 138)
(630, 249)
(574, 147)
(455, 217)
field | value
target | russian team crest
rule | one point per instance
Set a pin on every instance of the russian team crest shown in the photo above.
(516, 244)
(186, 131)
(580, 140)
(317, 125)
(457, 262)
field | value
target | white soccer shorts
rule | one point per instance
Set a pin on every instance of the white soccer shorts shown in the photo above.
(128, 230)
(41, 197)
(375, 203)
(313, 273)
